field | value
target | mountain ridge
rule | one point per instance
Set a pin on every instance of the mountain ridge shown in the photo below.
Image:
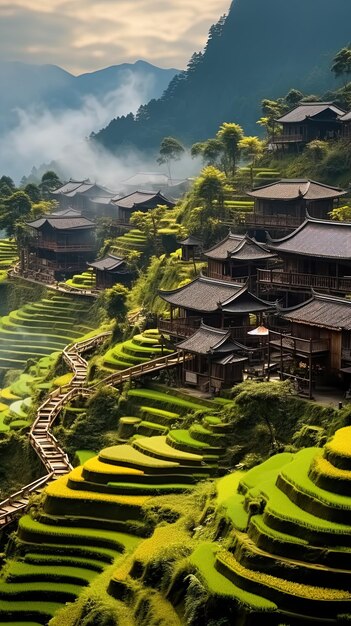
(260, 50)
(51, 87)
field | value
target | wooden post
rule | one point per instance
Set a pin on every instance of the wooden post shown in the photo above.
(310, 372)
(281, 356)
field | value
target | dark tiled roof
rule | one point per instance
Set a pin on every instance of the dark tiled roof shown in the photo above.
(207, 340)
(73, 187)
(317, 238)
(208, 295)
(108, 263)
(323, 311)
(247, 302)
(67, 213)
(309, 109)
(202, 294)
(59, 222)
(144, 178)
(100, 200)
(292, 189)
(138, 198)
(346, 117)
(191, 241)
(239, 247)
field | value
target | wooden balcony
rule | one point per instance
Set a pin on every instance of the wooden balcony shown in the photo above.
(181, 327)
(272, 221)
(290, 139)
(296, 345)
(58, 246)
(295, 280)
(184, 327)
(229, 279)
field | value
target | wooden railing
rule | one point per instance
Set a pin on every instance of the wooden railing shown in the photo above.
(296, 344)
(182, 327)
(229, 279)
(289, 138)
(62, 246)
(162, 362)
(14, 503)
(272, 221)
(54, 459)
(295, 279)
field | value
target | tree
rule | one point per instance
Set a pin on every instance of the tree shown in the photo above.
(253, 148)
(33, 192)
(230, 134)
(15, 208)
(210, 186)
(293, 98)
(211, 151)
(8, 181)
(49, 182)
(317, 149)
(149, 222)
(170, 150)
(341, 213)
(113, 301)
(43, 207)
(342, 63)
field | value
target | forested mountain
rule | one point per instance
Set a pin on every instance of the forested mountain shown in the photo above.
(49, 86)
(260, 50)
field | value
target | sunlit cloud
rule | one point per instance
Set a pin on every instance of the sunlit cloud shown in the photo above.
(82, 35)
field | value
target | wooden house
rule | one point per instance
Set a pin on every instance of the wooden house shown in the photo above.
(109, 271)
(219, 304)
(283, 205)
(122, 208)
(154, 181)
(306, 122)
(191, 248)
(59, 245)
(214, 360)
(316, 255)
(78, 194)
(316, 345)
(346, 125)
(237, 258)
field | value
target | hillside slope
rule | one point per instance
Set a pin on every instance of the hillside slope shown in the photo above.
(261, 50)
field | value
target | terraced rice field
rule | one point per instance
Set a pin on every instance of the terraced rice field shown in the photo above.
(89, 518)
(291, 534)
(8, 253)
(140, 349)
(83, 281)
(40, 328)
(133, 240)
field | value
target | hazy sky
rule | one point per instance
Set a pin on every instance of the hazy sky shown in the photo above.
(83, 35)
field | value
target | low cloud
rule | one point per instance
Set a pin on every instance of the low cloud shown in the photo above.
(42, 136)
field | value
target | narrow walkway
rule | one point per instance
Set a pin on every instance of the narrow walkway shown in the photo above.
(43, 441)
(91, 293)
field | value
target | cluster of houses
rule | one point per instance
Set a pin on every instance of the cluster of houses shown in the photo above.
(273, 299)
(64, 242)
(275, 305)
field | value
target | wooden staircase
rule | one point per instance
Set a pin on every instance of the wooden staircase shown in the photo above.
(54, 459)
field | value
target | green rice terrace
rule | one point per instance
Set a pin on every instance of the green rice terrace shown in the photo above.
(140, 349)
(153, 531)
(8, 253)
(84, 281)
(40, 328)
